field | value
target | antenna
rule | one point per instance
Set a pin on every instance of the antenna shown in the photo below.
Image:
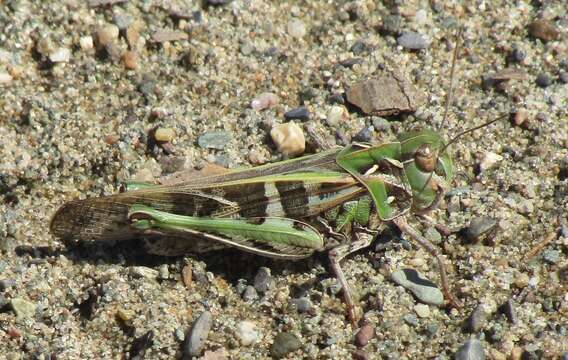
(455, 138)
(452, 71)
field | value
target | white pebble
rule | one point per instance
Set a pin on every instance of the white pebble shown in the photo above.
(264, 101)
(289, 138)
(336, 115)
(422, 310)
(86, 42)
(60, 55)
(296, 28)
(5, 78)
(489, 161)
(247, 333)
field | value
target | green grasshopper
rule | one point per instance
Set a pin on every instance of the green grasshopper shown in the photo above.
(279, 210)
(283, 210)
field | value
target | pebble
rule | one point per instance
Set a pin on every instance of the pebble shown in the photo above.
(123, 21)
(521, 116)
(300, 113)
(381, 124)
(413, 41)
(22, 308)
(197, 335)
(336, 99)
(432, 329)
(479, 226)
(424, 289)
(45, 46)
(164, 272)
(386, 94)
(522, 280)
(544, 30)
(336, 115)
(263, 280)
(392, 24)
(5, 78)
(519, 55)
(365, 135)
(551, 256)
(214, 140)
(289, 138)
(247, 333)
(543, 80)
(471, 350)
(107, 34)
(563, 77)
(489, 161)
(296, 28)
(187, 276)
(263, 101)
(422, 310)
(302, 304)
(6, 284)
(60, 55)
(364, 335)
(284, 343)
(432, 235)
(144, 272)
(164, 134)
(358, 48)
(164, 35)
(250, 293)
(411, 320)
(130, 59)
(508, 308)
(476, 320)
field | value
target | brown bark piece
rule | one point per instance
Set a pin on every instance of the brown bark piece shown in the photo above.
(388, 94)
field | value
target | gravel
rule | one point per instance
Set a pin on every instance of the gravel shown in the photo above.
(83, 83)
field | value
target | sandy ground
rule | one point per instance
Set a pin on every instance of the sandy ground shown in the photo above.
(83, 83)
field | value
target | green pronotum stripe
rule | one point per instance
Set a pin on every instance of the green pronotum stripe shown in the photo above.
(272, 230)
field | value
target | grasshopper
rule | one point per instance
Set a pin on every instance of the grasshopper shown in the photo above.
(279, 210)
(284, 210)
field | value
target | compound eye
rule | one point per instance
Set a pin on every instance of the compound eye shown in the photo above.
(425, 158)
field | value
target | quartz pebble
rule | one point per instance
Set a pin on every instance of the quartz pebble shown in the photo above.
(289, 138)
(490, 160)
(23, 308)
(247, 333)
(336, 115)
(264, 101)
(60, 55)
(5, 78)
(86, 42)
(422, 310)
(296, 28)
(413, 41)
(471, 350)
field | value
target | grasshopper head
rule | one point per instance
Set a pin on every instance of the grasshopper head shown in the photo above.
(428, 169)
